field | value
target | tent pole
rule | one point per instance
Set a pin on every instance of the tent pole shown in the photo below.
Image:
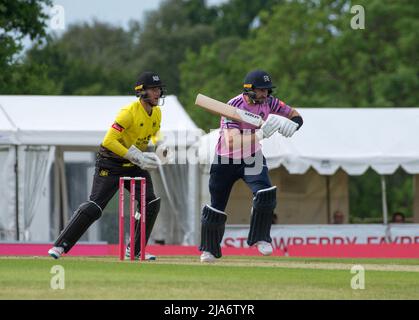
(416, 198)
(194, 212)
(384, 199)
(63, 189)
(56, 195)
(17, 191)
(328, 199)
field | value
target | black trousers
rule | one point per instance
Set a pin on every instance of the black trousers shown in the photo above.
(225, 172)
(105, 184)
(106, 181)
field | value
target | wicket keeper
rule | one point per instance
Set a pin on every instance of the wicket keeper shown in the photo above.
(238, 156)
(121, 154)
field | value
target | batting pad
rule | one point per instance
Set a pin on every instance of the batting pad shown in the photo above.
(264, 204)
(212, 230)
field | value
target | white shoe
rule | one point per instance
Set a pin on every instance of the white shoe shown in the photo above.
(264, 248)
(56, 252)
(207, 257)
(148, 256)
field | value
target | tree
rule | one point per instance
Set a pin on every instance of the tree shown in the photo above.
(377, 66)
(18, 19)
(207, 73)
(236, 17)
(168, 33)
(317, 60)
(89, 59)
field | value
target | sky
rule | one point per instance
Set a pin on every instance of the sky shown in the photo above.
(116, 12)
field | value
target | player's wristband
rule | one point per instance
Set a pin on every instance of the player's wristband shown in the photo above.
(298, 120)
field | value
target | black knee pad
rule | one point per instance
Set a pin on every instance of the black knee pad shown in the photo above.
(81, 220)
(265, 199)
(264, 204)
(212, 230)
(152, 210)
(91, 210)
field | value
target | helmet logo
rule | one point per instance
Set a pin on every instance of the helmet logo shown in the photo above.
(156, 78)
(266, 79)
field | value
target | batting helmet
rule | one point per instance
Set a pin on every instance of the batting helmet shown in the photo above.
(148, 80)
(257, 79)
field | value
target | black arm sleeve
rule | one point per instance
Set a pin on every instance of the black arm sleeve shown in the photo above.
(298, 120)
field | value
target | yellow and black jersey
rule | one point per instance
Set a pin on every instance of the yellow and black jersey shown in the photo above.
(133, 126)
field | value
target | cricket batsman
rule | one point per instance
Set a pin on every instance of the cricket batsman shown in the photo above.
(238, 156)
(122, 153)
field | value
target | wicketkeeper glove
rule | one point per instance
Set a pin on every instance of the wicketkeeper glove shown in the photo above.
(145, 160)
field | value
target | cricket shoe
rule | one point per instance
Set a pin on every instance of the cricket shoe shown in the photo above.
(56, 252)
(207, 257)
(264, 248)
(148, 256)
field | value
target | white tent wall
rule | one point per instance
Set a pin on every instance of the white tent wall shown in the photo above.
(179, 212)
(34, 165)
(79, 170)
(8, 218)
(39, 229)
(351, 139)
(416, 199)
(172, 223)
(7, 193)
(8, 129)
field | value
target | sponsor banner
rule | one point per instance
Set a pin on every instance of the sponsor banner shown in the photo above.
(297, 235)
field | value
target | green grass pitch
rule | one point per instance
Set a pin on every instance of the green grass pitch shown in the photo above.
(181, 277)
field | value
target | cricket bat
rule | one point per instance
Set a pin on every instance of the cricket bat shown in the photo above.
(230, 112)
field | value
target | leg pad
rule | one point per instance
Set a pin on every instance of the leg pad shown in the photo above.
(264, 204)
(81, 220)
(152, 211)
(212, 230)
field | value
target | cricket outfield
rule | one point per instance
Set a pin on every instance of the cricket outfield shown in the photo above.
(184, 277)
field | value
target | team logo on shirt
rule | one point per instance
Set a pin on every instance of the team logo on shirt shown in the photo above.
(143, 140)
(104, 173)
(117, 127)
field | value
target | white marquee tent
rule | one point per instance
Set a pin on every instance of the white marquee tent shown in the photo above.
(35, 131)
(350, 139)
(74, 120)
